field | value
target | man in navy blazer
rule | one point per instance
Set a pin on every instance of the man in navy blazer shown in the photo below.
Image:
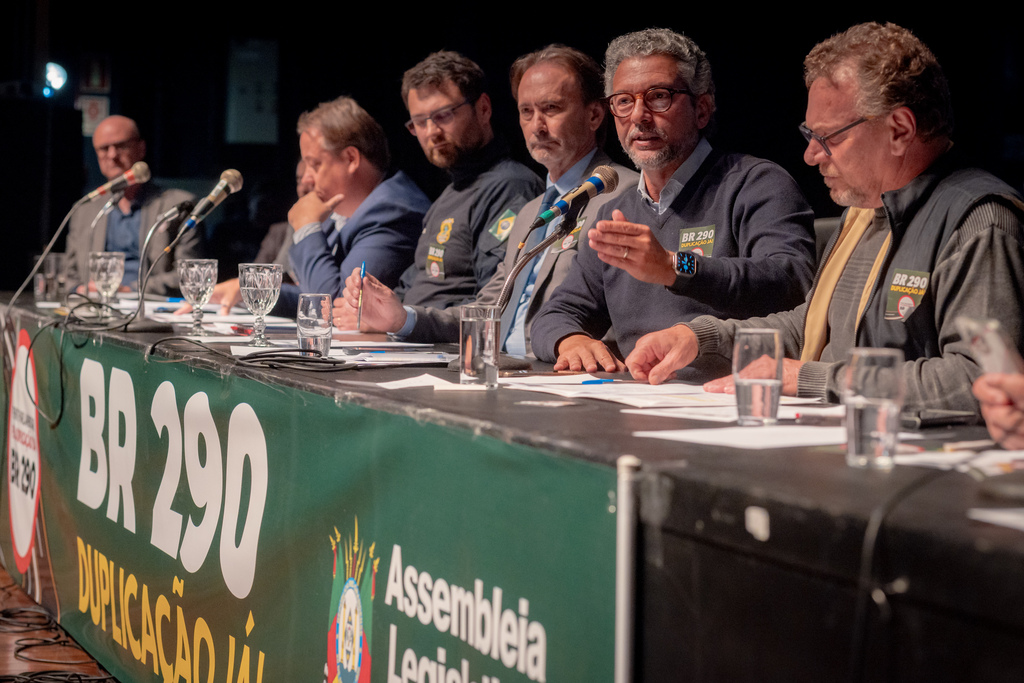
(354, 213)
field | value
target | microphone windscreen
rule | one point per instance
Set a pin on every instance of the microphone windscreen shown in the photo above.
(141, 172)
(233, 179)
(608, 176)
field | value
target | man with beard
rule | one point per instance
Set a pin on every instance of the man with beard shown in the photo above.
(922, 242)
(466, 229)
(559, 95)
(703, 232)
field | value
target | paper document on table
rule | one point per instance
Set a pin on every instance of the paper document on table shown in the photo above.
(274, 322)
(554, 379)
(423, 380)
(776, 436)
(399, 358)
(375, 359)
(705, 413)
(729, 414)
(1012, 518)
(990, 463)
(639, 394)
(376, 345)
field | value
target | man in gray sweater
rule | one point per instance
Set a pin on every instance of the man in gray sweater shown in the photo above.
(921, 243)
(739, 224)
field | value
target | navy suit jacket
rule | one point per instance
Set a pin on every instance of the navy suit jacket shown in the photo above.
(383, 231)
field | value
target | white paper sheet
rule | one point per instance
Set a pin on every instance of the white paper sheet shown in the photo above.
(756, 438)
(1008, 517)
(641, 395)
(423, 380)
(729, 414)
(990, 463)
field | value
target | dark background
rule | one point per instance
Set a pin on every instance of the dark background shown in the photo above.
(168, 70)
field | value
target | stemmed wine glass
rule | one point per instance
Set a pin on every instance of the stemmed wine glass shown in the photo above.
(106, 270)
(196, 278)
(260, 284)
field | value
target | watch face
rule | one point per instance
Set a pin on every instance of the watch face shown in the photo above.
(686, 263)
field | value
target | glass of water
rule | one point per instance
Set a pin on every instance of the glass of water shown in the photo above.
(478, 345)
(106, 270)
(873, 394)
(49, 281)
(757, 375)
(196, 278)
(260, 286)
(314, 323)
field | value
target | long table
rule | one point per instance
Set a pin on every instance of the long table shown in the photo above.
(191, 518)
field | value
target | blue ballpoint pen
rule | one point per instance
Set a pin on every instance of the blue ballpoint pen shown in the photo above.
(359, 313)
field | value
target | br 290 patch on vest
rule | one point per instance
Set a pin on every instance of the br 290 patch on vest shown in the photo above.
(698, 240)
(905, 292)
(435, 262)
(503, 226)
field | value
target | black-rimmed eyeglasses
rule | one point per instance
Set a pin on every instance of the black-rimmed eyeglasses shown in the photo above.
(823, 139)
(655, 99)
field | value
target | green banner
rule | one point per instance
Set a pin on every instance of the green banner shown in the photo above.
(187, 525)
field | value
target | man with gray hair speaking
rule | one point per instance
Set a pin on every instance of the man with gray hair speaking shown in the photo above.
(704, 232)
(921, 243)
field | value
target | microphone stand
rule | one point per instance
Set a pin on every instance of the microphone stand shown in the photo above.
(138, 322)
(107, 208)
(506, 362)
(564, 229)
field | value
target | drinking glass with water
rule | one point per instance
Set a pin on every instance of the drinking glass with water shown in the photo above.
(479, 338)
(757, 375)
(314, 323)
(873, 394)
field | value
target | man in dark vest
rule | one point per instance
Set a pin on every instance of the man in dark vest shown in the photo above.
(921, 241)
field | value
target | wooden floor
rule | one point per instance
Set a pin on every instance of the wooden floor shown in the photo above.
(31, 641)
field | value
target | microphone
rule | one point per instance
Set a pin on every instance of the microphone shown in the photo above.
(230, 182)
(138, 173)
(605, 179)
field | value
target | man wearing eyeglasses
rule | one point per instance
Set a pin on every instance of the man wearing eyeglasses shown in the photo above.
(922, 241)
(704, 232)
(466, 228)
(559, 93)
(123, 224)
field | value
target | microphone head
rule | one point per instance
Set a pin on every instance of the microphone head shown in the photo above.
(233, 179)
(609, 176)
(140, 171)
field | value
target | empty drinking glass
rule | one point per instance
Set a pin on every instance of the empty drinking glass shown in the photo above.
(106, 270)
(260, 284)
(196, 278)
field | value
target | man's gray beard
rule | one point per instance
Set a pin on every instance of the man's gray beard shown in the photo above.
(659, 159)
(651, 162)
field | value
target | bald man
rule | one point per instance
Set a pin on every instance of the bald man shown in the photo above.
(123, 225)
